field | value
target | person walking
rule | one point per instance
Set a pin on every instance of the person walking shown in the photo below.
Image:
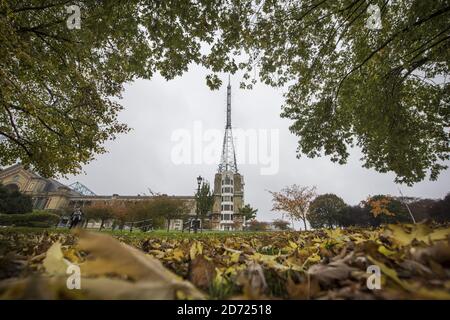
(75, 218)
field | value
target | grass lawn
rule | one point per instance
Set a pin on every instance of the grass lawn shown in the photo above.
(162, 233)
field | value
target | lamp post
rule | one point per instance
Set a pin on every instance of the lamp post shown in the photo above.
(199, 182)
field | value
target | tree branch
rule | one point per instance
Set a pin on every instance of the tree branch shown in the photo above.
(384, 44)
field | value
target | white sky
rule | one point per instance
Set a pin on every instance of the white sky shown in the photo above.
(155, 109)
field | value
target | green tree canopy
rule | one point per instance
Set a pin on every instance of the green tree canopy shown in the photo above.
(324, 211)
(248, 212)
(382, 90)
(59, 86)
(205, 200)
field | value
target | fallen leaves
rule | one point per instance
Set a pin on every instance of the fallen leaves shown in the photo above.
(405, 234)
(304, 290)
(201, 272)
(337, 270)
(323, 264)
(111, 270)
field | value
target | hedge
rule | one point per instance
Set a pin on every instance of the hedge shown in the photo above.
(35, 219)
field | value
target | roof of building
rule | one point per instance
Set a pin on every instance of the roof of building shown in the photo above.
(51, 185)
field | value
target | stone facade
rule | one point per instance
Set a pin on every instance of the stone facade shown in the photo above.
(228, 200)
(47, 194)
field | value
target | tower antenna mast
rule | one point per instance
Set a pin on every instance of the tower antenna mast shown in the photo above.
(228, 159)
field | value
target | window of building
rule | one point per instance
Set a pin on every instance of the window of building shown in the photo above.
(227, 189)
(227, 181)
(227, 217)
(40, 203)
(227, 207)
(227, 198)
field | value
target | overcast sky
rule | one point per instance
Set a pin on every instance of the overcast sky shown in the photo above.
(159, 110)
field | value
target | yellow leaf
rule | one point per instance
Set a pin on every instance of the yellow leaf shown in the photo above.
(420, 232)
(196, 249)
(54, 262)
(385, 251)
(178, 254)
(334, 233)
(293, 245)
(109, 256)
(235, 257)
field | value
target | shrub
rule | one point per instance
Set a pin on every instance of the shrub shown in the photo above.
(256, 225)
(40, 219)
(14, 202)
(281, 224)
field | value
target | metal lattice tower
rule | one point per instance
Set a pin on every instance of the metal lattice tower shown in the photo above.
(81, 188)
(228, 159)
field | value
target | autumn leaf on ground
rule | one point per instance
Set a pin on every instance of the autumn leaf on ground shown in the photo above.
(305, 290)
(405, 234)
(54, 262)
(326, 274)
(109, 256)
(317, 264)
(201, 272)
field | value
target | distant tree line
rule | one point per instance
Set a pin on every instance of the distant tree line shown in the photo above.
(329, 210)
(156, 213)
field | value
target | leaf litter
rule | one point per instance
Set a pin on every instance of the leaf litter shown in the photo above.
(321, 264)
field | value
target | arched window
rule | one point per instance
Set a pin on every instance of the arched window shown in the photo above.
(12, 187)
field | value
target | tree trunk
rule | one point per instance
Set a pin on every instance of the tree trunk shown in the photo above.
(168, 225)
(330, 224)
(304, 223)
(101, 224)
(195, 225)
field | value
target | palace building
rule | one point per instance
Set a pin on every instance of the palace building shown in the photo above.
(49, 194)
